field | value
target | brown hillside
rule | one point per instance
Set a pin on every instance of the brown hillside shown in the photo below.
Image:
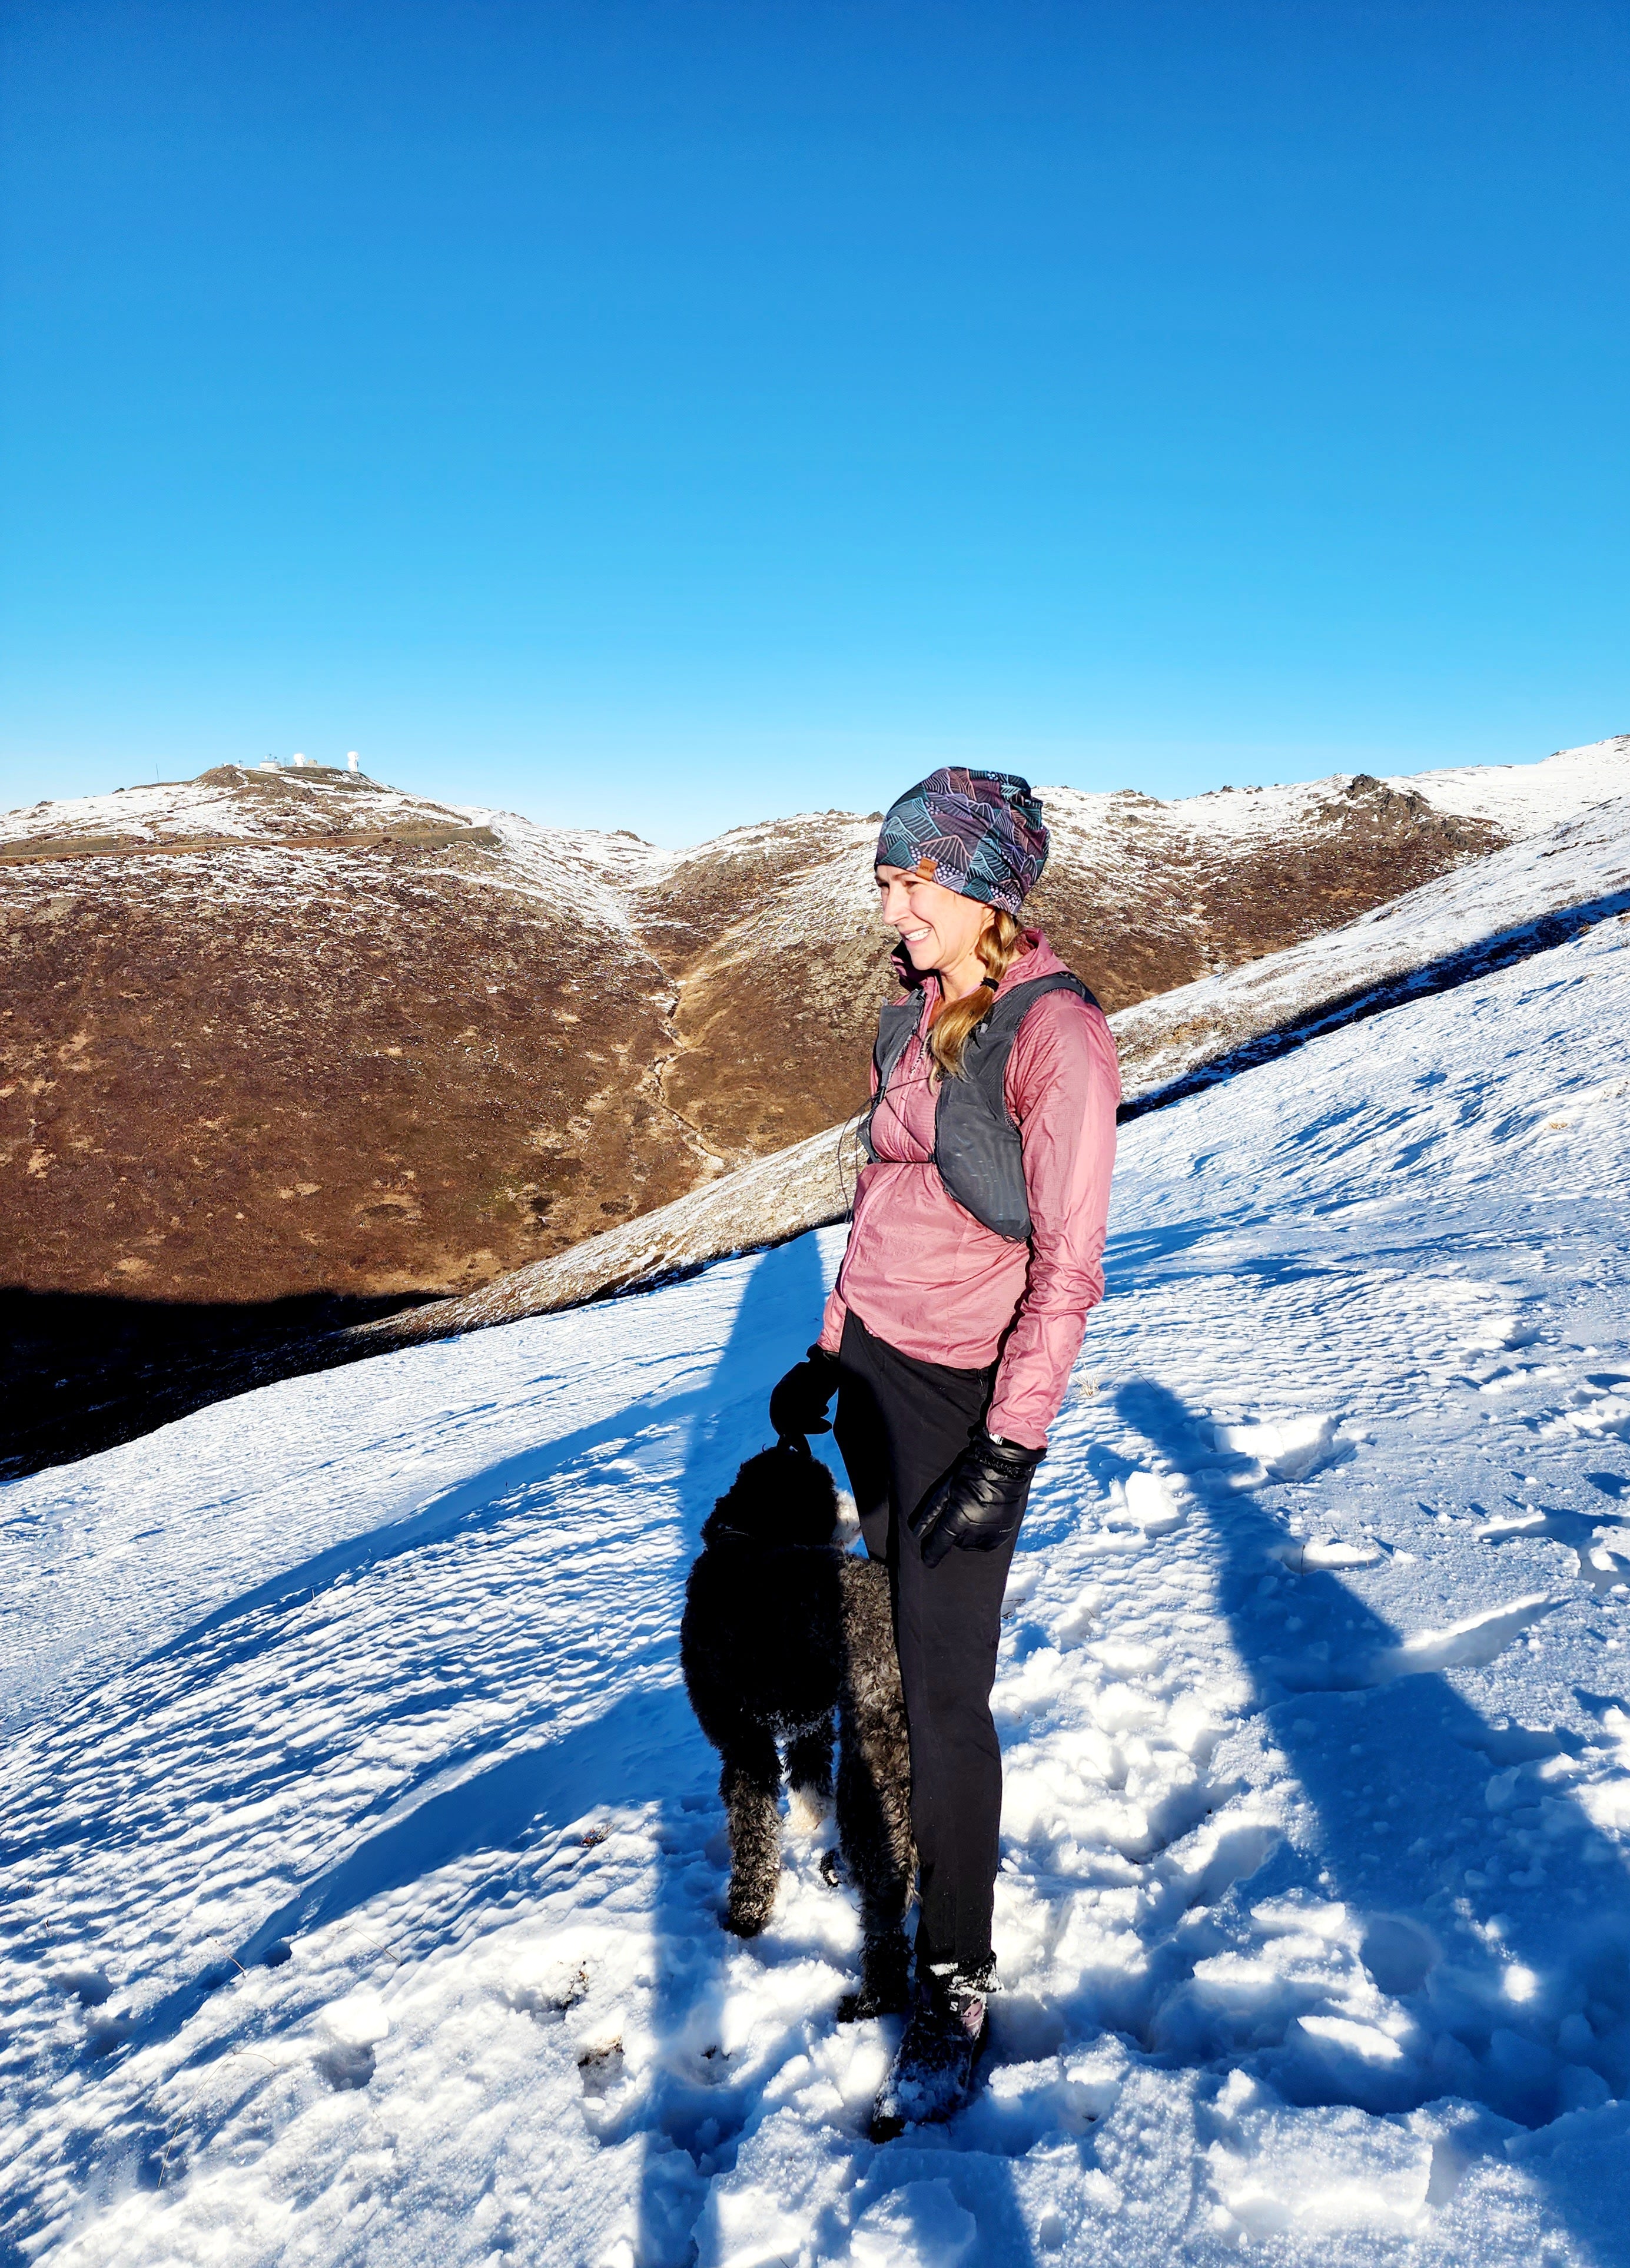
(264, 1035)
(248, 1071)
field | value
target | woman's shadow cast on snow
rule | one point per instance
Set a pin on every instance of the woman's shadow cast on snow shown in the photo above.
(1398, 1766)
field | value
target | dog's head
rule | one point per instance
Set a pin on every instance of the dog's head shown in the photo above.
(784, 1495)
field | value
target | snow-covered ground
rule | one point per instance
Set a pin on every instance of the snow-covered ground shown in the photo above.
(1526, 798)
(1520, 800)
(361, 1861)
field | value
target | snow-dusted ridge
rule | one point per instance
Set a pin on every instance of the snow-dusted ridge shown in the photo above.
(1520, 798)
(405, 1046)
(1500, 902)
(360, 1861)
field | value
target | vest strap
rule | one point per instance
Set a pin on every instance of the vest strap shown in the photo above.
(978, 1150)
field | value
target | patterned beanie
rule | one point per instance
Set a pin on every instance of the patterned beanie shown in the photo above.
(980, 834)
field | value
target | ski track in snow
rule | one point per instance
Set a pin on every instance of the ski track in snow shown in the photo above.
(362, 1859)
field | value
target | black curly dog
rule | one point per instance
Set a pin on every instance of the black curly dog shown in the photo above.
(781, 1630)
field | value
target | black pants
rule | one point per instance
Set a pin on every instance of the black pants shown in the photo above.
(900, 1422)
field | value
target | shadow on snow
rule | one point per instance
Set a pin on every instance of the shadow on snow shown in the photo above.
(1401, 1772)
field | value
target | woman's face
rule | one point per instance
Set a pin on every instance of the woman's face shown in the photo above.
(938, 927)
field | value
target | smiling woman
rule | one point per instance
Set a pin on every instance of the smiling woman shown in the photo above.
(974, 1256)
(933, 920)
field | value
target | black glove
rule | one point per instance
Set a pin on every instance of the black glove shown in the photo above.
(979, 1503)
(799, 1403)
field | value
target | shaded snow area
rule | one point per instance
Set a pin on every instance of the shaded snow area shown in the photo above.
(361, 1861)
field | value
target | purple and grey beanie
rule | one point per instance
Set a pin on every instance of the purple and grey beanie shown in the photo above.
(980, 834)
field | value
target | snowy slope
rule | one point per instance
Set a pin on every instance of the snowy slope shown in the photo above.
(1520, 800)
(362, 1861)
(593, 875)
(1581, 868)
(1527, 798)
(173, 809)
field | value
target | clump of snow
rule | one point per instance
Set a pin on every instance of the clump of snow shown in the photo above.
(363, 1863)
(1286, 1452)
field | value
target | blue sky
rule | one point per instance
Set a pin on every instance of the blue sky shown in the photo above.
(663, 415)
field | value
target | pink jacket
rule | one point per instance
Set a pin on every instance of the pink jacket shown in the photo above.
(929, 1278)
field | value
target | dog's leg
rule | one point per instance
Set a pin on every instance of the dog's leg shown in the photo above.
(874, 1795)
(751, 1786)
(881, 1861)
(808, 1768)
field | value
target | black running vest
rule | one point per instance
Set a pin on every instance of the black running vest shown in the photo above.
(977, 1149)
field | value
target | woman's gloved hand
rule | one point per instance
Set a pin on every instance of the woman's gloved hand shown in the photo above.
(798, 1403)
(979, 1503)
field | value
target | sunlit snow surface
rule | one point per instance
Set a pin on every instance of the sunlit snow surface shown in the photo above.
(361, 1861)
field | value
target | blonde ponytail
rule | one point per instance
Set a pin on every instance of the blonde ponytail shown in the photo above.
(1003, 943)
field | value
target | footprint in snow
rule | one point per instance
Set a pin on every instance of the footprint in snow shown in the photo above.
(600, 2069)
(89, 1986)
(354, 2027)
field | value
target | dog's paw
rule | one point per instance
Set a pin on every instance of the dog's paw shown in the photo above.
(743, 1920)
(885, 1980)
(831, 1869)
(859, 2007)
(885, 1995)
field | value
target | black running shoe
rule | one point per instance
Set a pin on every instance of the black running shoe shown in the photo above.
(933, 2073)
